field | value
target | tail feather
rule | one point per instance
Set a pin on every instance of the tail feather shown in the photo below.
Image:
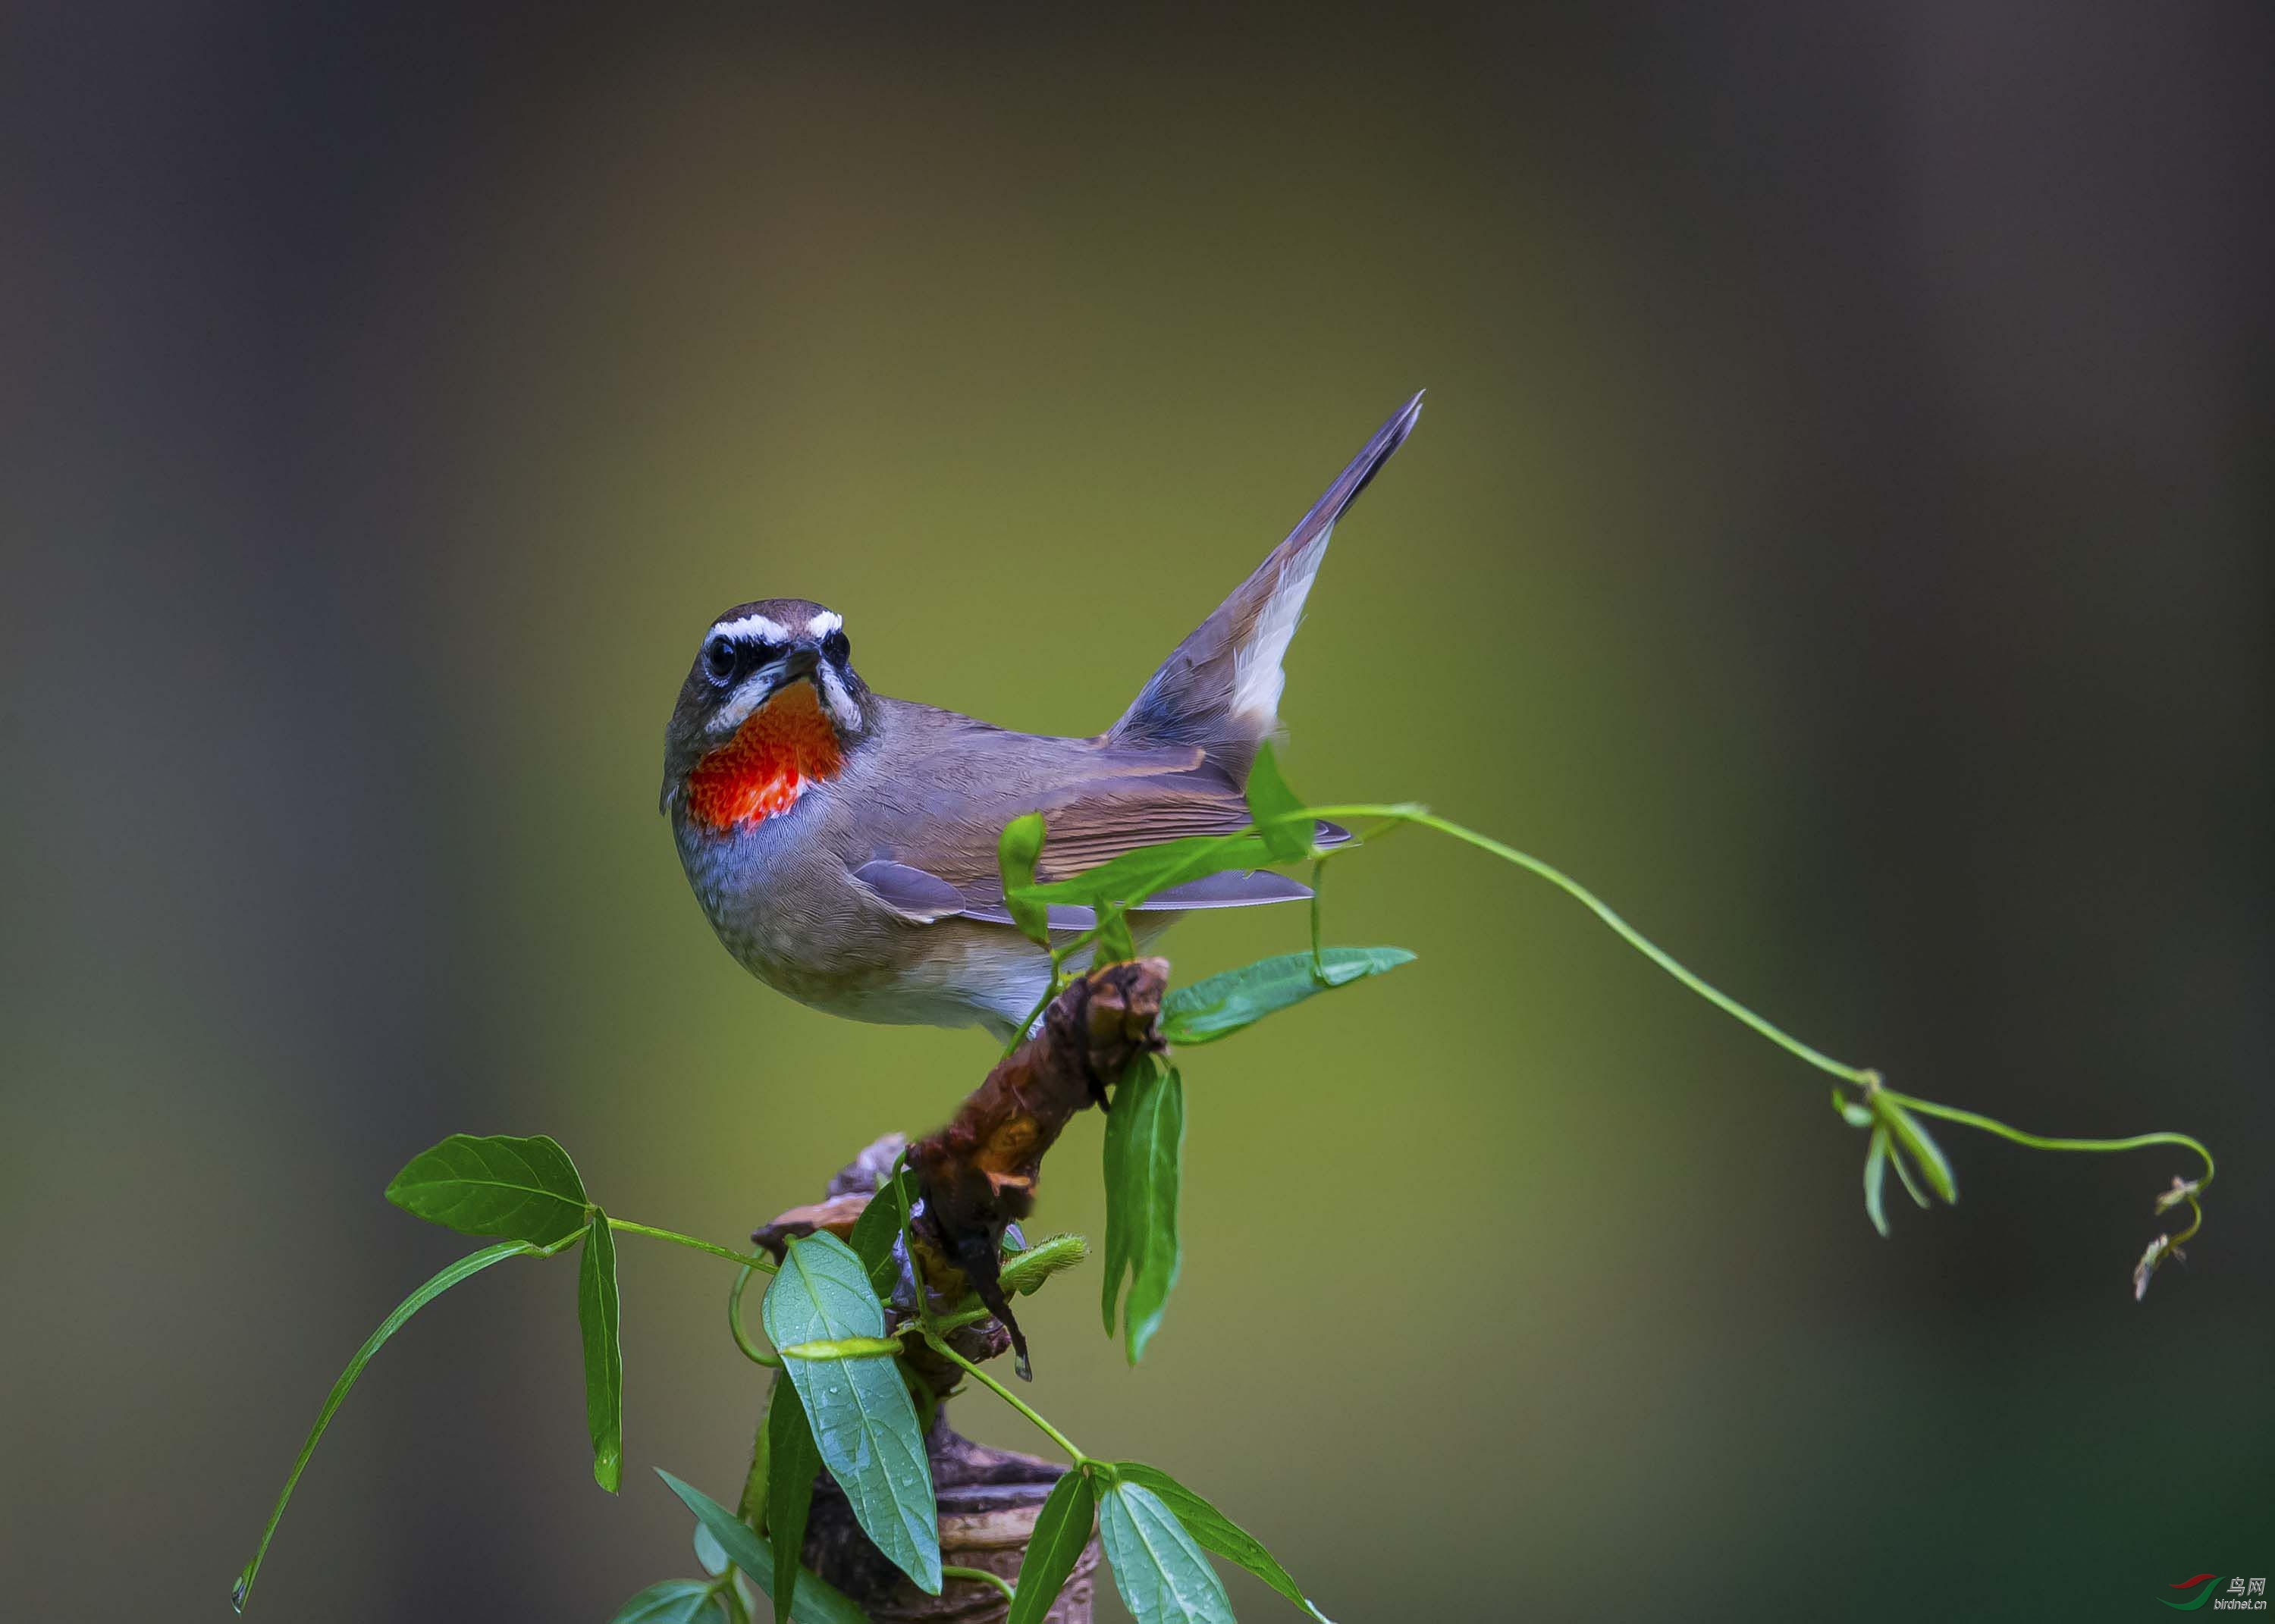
(1221, 688)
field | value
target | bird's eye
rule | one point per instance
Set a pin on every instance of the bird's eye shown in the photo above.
(836, 648)
(718, 660)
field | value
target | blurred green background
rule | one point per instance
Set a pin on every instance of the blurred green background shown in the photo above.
(1839, 532)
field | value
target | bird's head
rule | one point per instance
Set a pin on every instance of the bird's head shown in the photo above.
(771, 706)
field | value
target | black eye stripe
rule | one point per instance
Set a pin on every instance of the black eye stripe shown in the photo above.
(724, 658)
(836, 648)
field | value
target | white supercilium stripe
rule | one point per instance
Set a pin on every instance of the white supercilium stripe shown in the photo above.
(752, 625)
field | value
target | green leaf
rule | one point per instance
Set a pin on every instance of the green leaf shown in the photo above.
(751, 1505)
(675, 1601)
(1279, 815)
(1115, 946)
(1135, 875)
(815, 1600)
(1911, 1180)
(1117, 1234)
(1145, 1146)
(1061, 1532)
(1026, 1270)
(1876, 1173)
(843, 1348)
(600, 1315)
(1016, 855)
(708, 1554)
(1162, 1574)
(517, 1189)
(464, 1267)
(1854, 1114)
(878, 1229)
(1924, 1151)
(1222, 1004)
(793, 1462)
(862, 1418)
(1215, 1531)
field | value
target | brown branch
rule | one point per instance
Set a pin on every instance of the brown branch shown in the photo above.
(979, 1173)
(975, 1177)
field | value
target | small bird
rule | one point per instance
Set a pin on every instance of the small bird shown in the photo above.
(844, 844)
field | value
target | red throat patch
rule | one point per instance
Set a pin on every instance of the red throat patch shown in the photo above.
(781, 748)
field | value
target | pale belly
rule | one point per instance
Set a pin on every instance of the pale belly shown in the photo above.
(977, 983)
(969, 974)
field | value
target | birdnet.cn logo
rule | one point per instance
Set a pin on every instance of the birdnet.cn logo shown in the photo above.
(2240, 1595)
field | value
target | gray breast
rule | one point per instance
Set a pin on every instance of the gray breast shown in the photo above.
(782, 903)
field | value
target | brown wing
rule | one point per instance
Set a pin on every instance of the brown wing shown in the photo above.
(1088, 823)
(951, 796)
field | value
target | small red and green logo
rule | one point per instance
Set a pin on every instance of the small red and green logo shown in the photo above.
(2209, 1582)
(2241, 1595)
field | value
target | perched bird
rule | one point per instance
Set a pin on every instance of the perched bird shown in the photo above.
(844, 844)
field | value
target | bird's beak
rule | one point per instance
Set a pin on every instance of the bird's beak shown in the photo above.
(800, 661)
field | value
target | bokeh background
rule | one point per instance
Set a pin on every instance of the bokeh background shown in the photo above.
(1839, 532)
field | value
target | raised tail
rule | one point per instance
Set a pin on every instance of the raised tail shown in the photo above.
(1221, 688)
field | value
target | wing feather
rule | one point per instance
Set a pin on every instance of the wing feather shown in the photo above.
(1098, 798)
